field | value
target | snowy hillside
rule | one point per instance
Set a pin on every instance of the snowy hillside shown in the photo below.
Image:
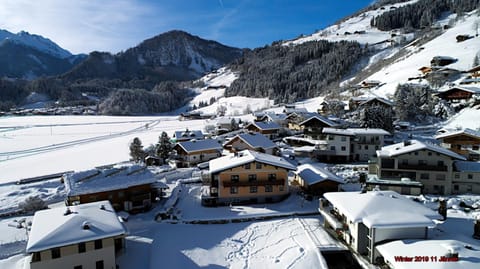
(419, 56)
(353, 29)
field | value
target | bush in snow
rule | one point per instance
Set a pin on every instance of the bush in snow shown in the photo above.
(32, 204)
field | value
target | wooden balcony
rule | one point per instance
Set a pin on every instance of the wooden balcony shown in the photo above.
(442, 168)
(228, 184)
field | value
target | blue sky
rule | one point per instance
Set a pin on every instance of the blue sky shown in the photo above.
(82, 26)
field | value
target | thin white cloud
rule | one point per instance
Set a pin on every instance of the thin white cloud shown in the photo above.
(80, 25)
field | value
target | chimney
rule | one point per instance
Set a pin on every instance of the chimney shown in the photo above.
(86, 225)
(442, 208)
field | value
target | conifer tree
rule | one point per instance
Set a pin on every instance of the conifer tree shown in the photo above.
(164, 146)
(136, 150)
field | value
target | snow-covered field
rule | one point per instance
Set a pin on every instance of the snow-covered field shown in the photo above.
(38, 145)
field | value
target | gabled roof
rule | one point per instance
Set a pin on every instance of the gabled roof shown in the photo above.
(269, 125)
(469, 89)
(56, 227)
(382, 209)
(200, 145)
(254, 140)
(247, 156)
(321, 119)
(382, 100)
(188, 134)
(275, 117)
(433, 249)
(412, 146)
(474, 69)
(97, 180)
(467, 132)
(313, 175)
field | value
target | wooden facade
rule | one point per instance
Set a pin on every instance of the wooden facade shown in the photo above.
(253, 182)
(132, 199)
(192, 158)
(455, 94)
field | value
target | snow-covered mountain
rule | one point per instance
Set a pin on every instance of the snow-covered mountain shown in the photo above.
(37, 42)
(29, 56)
(174, 55)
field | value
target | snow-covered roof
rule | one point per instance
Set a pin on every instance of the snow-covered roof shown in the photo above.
(200, 145)
(313, 175)
(224, 120)
(255, 140)
(355, 131)
(321, 119)
(188, 134)
(336, 131)
(275, 117)
(300, 110)
(465, 166)
(247, 156)
(430, 249)
(61, 227)
(382, 100)
(382, 209)
(368, 131)
(471, 89)
(96, 180)
(467, 131)
(268, 125)
(412, 146)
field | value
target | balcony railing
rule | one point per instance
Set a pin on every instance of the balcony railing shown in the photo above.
(423, 167)
(253, 183)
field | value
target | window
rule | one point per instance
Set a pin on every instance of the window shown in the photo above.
(98, 244)
(457, 175)
(36, 257)
(252, 178)
(469, 188)
(422, 162)
(272, 177)
(470, 176)
(366, 147)
(332, 148)
(247, 166)
(359, 147)
(81, 247)
(376, 147)
(268, 188)
(55, 253)
(253, 189)
(455, 187)
(424, 176)
(120, 194)
(233, 190)
(78, 267)
(330, 137)
(99, 265)
(440, 177)
(429, 153)
(344, 148)
(415, 153)
(235, 178)
(258, 165)
(343, 139)
(280, 188)
(404, 161)
(440, 163)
